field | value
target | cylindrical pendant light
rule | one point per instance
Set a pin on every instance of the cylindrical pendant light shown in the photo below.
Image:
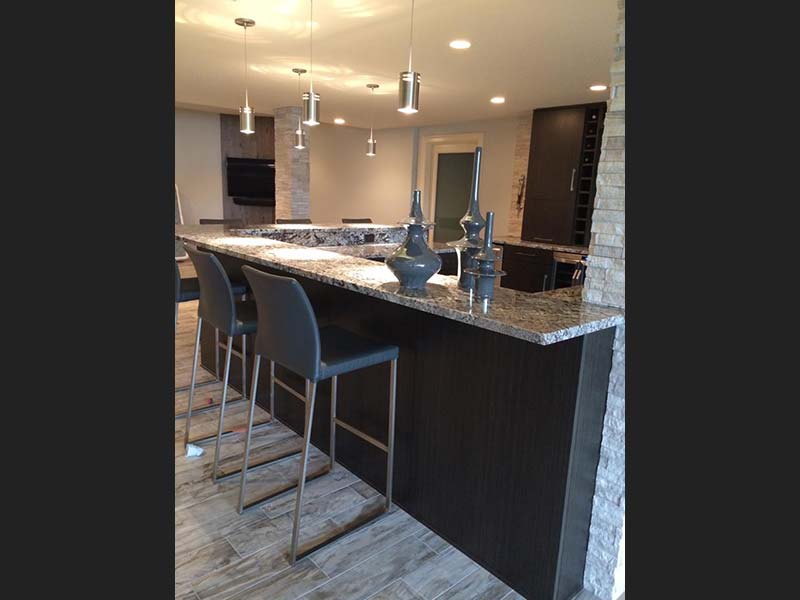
(372, 143)
(247, 116)
(409, 80)
(299, 134)
(310, 99)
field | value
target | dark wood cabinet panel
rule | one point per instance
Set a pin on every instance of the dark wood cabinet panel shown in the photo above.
(527, 269)
(556, 141)
(561, 173)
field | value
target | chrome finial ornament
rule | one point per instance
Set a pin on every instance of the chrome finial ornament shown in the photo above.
(372, 143)
(299, 133)
(247, 116)
(311, 99)
(472, 222)
(410, 79)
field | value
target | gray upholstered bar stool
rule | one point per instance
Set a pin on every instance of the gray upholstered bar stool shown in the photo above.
(187, 289)
(218, 307)
(293, 221)
(288, 334)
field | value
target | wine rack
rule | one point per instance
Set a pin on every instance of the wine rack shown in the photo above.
(590, 156)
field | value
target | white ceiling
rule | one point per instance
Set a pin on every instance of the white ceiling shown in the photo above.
(534, 52)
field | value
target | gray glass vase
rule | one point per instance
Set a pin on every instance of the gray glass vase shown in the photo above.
(413, 262)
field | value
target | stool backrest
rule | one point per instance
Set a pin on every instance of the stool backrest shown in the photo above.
(364, 220)
(216, 295)
(293, 221)
(287, 326)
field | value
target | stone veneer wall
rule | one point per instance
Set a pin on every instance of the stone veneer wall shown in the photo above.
(522, 150)
(292, 200)
(605, 284)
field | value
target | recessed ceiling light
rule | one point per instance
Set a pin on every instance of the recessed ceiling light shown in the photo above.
(339, 121)
(598, 87)
(497, 100)
(460, 44)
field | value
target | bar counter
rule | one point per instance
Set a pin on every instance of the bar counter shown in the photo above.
(499, 408)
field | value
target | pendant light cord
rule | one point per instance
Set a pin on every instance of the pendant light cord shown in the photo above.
(371, 112)
(311, 49)
(246, 100)
(411, 36)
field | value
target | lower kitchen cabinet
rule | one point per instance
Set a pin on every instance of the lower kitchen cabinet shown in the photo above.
(527, 269)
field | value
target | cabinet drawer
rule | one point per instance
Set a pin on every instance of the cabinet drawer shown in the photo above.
(525, 254)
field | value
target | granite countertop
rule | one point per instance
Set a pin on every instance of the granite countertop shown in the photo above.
(515, 241)
(380, 250)
(543, 318)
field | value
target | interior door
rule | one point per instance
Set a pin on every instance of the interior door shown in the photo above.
(453, 178)
(553, 176)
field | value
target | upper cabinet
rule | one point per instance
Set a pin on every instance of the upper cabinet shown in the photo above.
(562, 168)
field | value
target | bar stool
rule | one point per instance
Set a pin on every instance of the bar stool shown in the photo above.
(293, 221)
(217, 306)
(288, 334)
(187, 290)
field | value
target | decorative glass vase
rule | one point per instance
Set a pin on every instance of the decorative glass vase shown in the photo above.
(413, 262)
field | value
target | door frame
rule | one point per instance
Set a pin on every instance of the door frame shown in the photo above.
(430, 146)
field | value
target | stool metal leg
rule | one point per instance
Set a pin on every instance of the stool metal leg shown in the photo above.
(216, 352)
(222, 407)
(246, 457)
(311, 394)
(191, 385)
(272, 390)
(390, 444)
(332, 450)
(244, 366)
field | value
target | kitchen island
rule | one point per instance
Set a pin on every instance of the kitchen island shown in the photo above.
(499, 406)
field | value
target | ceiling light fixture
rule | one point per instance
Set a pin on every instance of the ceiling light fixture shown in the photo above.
(339, 121)
(497, 100)
(247, 118)
(310, 99)
(372, 143)
(299, 134)
(460, 44)
(598, 87)
(409, 80)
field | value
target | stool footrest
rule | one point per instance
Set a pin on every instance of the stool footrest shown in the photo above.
(210, 407)
(362, 435)
(185, 388)
(289, 389)
(229, 432)
(267, 461)
(286, 487)
(358, 524)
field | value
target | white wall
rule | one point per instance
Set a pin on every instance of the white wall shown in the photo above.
(345, 182)
(499, 138)
(198, 164)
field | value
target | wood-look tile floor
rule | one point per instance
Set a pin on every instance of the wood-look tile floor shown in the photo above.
(220, 554)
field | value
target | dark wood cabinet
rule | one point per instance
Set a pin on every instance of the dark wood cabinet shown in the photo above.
(527, 269)
(562, 167)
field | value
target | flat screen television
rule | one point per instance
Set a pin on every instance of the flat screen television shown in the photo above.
(251, 181)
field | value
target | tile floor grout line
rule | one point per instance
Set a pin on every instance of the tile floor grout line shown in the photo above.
(455, 584)
(352, 567)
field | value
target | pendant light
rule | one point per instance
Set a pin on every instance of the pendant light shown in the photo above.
(247, 118)
(371, 142)
(310, 99)
(409, 80)
(299, 134)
